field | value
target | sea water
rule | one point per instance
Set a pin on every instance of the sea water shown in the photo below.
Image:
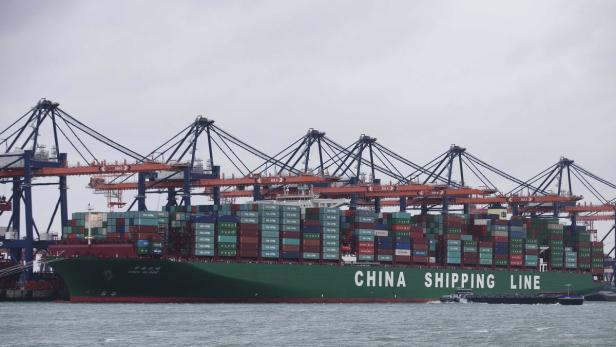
(431, 324)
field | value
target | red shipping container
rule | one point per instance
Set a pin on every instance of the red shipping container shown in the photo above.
(246, 227)
(402, 258)
(451, 237)
(363, 225)
(416, 229)
(143, 229)
(249, 239)
(365, 251)
(312, 249)
(147, 236)
(290, 234)
(420, 247)
(311, 242)
(290, 248)
(312, 223)
(248, 233)
(500, 239)
(584, 244)
(419, 259)
(365, 244)
(385, 251)
(417, 235)
(400, 227)
(313, 210)
(249, 253)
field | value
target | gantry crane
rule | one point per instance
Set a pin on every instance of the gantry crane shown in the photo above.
(24, 160)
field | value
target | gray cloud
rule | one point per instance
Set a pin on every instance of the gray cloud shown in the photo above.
(519, 83)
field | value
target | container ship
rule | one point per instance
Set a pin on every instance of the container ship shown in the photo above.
(315, 230)
(279, 252)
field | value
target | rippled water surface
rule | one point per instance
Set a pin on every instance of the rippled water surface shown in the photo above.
(65, 324)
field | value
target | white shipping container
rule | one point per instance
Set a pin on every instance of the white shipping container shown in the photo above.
(95, 217)
(94, 224)
(432, 260)
(381, 233)
(481, 221)
(403, 252)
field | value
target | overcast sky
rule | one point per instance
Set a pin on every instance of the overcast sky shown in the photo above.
(518, 83)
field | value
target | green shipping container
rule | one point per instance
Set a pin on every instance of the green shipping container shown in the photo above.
(204, 253)
(306, 255)
(331, 256)
(289, 241)
(227, 253)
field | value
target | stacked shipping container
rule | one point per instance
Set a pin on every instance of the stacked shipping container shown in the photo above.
(273, 231)
(269, 231)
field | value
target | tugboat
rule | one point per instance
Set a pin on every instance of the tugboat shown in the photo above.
(459, 296)
(570, 299)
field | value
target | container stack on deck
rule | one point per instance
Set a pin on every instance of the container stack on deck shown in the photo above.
(290, 243)
(204, 229)
(531, 252)
(517, 235)
(226, 231)
(362, 223)
(578, 239)
(320, 234)
(384, 242)
(556, 244)
(268, 234)
(498, 232)
(421, 246)
(248, 231)
(277, 232)
(270, 225)
(180, 238)
(470, 255)
(486, 254)
(311, 232)
(452, 239)
(597, 265)
(400, 227)
(290, 227)
(570, 259)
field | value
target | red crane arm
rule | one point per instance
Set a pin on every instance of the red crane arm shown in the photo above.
(93, 169)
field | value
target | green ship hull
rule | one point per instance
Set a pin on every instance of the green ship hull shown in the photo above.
(161, 280)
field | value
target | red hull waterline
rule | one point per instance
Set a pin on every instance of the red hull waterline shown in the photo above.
(160, 300)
